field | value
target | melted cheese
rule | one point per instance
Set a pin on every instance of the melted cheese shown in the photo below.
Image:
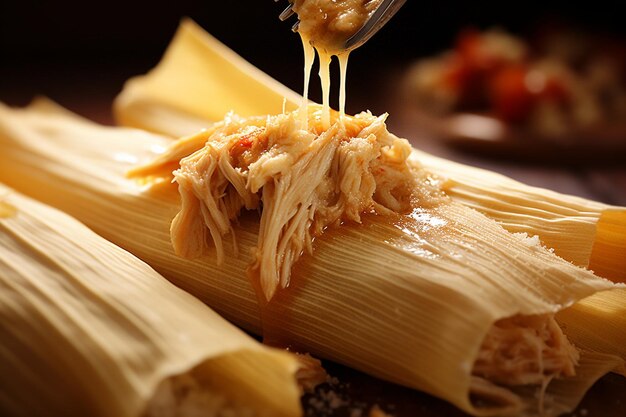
(309, 57)
(326, 26)
(325, 60)
(343, 73)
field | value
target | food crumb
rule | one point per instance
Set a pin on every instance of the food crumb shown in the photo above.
(311, 373)
(376, 411)
(325, 402)
(334, 400)
(356, 412)
(332, 396)
(530, 241)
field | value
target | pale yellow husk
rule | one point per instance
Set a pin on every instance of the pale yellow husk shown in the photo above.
(409, 301)
(186, 92)
(87, 329)
(598, 323)
(203, 87)
(584, 232)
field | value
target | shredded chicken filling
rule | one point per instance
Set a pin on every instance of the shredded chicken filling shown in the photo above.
(199, 392)
(185, 395)
(304, 181)
(328, 24)
(521, 350)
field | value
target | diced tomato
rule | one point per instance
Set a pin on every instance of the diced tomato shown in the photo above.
(242, 145)
(512, 93)
(468, 45)
(555, 90)
(456, 75)
(475, 65)
(509, 95)
(471, 46)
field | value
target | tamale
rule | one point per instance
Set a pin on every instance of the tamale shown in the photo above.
(87, 329)
(584, 232)
(179, 97)
(410, 299)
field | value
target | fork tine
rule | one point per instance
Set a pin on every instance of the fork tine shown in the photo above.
(287, 13)
(295, 27)
(381, 16)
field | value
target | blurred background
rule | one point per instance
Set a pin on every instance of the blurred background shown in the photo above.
(68, 47)
(80, 53)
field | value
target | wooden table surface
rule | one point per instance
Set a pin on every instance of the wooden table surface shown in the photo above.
(355, 393)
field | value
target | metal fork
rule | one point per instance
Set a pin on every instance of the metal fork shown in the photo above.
(377, 20)
(287, 13)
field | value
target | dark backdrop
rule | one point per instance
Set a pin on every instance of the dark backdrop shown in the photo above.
(75, 48)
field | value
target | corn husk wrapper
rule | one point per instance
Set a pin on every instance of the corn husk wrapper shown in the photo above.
(199, 80)
(598, 323)
(408, 301)
(87, 329)
(585, 232)
(247, 91)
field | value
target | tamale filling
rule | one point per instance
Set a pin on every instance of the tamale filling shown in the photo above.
(200, 392)
(519, 351)
(328, 24)
(304, 181)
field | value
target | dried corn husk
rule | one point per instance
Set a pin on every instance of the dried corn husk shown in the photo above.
(584, 232)
(598, 323)
(409, 300)
(87, 329)
(195, 84)
(206, 69)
